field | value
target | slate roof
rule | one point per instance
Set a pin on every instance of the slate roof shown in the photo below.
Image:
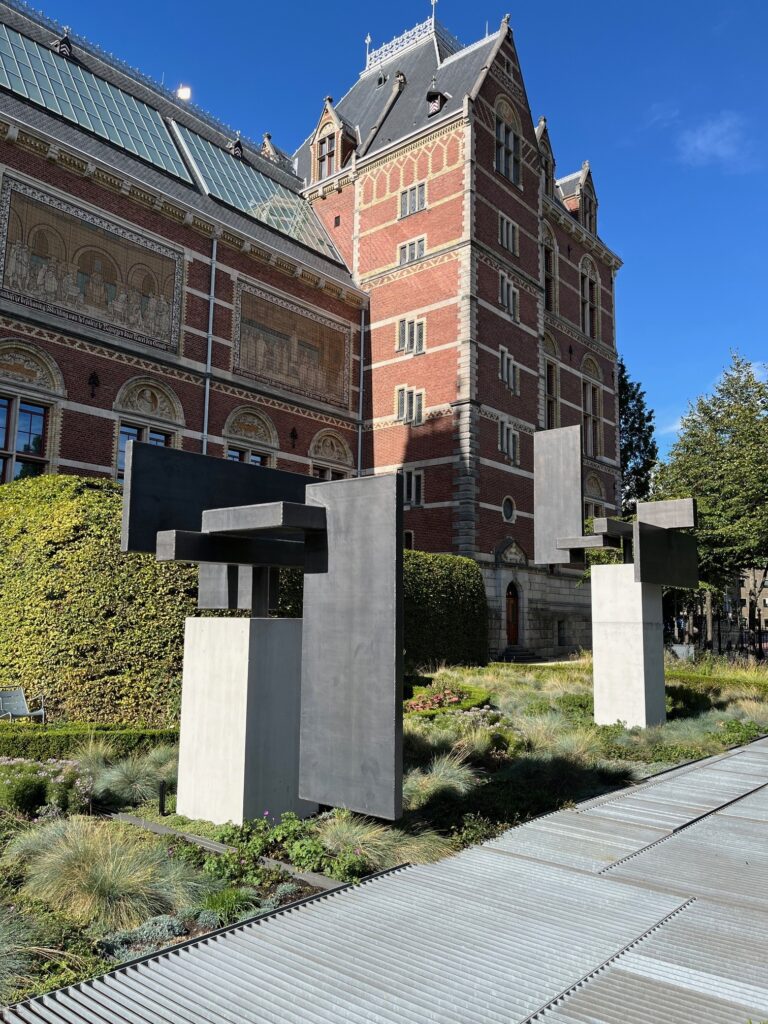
(23, 19)
(644, 906)
(569, 185)
(454, 75)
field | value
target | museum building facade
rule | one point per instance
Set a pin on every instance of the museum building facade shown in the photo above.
(166, 281)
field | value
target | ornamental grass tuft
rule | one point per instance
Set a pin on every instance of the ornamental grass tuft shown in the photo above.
(447, 774)
(98, 876)
(14, 951)
(344, 834)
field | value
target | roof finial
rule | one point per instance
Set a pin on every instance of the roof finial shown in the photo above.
(368, 42)
(434, 5)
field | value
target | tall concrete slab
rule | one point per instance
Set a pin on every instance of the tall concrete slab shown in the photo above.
(239, 736)
(627, 648)
(352, 646)
(557, 492)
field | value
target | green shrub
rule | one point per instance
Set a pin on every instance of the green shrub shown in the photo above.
(446, 611)
(43, 742)
(99, 632)
(96, 874)
(23, 792)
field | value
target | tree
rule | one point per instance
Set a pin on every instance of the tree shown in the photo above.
(721, 459)
(639, 451)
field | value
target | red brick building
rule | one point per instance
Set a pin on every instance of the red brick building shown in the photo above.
(160, 279)
(164, 279)
(491, 307)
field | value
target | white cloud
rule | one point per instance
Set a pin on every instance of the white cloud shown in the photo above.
(722, 141)
(662, 114)
(671, 428)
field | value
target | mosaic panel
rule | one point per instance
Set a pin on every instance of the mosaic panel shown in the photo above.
(281, 343)
(65, 260)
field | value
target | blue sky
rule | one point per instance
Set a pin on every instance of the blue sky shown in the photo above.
(666, 100)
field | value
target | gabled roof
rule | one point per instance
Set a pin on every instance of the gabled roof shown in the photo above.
(429, 62)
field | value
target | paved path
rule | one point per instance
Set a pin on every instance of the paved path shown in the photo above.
(648, 906)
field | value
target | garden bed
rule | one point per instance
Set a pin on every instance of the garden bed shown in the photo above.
(484, 750)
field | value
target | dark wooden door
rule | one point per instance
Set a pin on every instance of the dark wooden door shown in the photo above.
(513, 611)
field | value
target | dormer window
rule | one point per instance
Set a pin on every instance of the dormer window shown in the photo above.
(326, 156)
(435, 102)
(236, 148)
(589, 211)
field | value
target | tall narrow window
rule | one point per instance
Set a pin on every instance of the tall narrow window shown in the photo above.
(508, 370)
(412, 200)
(509, 441)
(589, 294)
(589, 211)
(414, 487)
(411, 251)
(508, 234)
(549, 276)
(409, 405)
(23, 438)
(590, 404)
(508, 298)
(547, 172)
(551, 417)
(410, 335)
(326, 156)
(507, 151)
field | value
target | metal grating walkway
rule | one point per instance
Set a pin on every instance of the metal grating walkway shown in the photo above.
(644, 907)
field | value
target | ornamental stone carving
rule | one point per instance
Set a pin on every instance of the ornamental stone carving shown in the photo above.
(251, 426)
(148, 397)
(26, 365)
(509, 552)
(330, 447)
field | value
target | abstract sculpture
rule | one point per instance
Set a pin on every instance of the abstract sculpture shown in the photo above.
(280, 714)
(627, 623)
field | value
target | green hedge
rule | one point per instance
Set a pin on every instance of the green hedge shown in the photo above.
(446, 611)
(98, 632)
(41, 742)
(101, 633)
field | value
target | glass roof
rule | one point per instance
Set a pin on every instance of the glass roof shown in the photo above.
(242, 186)
(62, 86)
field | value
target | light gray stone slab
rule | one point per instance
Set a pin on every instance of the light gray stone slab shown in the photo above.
(676, 514)
(627, 648)
(239, 735)
(278, 515)
(557, 492)
(351, 707)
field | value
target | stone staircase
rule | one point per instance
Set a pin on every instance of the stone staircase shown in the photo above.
(520, 655)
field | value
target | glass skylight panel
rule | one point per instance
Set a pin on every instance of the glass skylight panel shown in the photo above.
(238, 183)
(42, 76)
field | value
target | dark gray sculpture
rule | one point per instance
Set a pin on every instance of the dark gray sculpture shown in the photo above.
(280, 714)
(627, 626)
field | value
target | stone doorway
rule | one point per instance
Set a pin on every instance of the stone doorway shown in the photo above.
(513, 615)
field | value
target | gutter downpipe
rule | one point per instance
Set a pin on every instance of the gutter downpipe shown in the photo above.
(209, 352)
(360, 395)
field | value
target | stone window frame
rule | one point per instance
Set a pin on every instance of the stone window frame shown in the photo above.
(509, 370)
(330, 456)
(509, 227)
(591, 407)
(404, 256)
(512, 518)
(418, 191)
(413, 488)
(509, 296)
(403, 336)
(247, 445)
(136, 412)
(549, 243)
(31, 375)
(589, 298)
(509, 440)
(409, 405)
(508, 142)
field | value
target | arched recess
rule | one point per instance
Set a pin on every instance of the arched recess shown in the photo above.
(251, 426)
(593, 488)
(505, 109)
(45, 243)
(148, 398)
(98, 276)
(328, 446)
(550, 346)
(30, 368)
(590, 368)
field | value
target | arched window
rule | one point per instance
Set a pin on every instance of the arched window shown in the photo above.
(150, 412)
(250, 437)
(594, 499)
(590, 296)
(508, 159)
(591, 405)
(331, 456)
(31, 385)
(550, 269)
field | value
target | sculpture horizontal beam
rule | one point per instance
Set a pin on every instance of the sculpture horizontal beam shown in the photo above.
(677, 514)
(279, 515)
(187, 546)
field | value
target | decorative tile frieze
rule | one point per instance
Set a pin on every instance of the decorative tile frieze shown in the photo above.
(63, 259)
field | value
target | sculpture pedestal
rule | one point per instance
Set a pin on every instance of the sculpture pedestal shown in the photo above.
(239, 737)
(627, 648)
